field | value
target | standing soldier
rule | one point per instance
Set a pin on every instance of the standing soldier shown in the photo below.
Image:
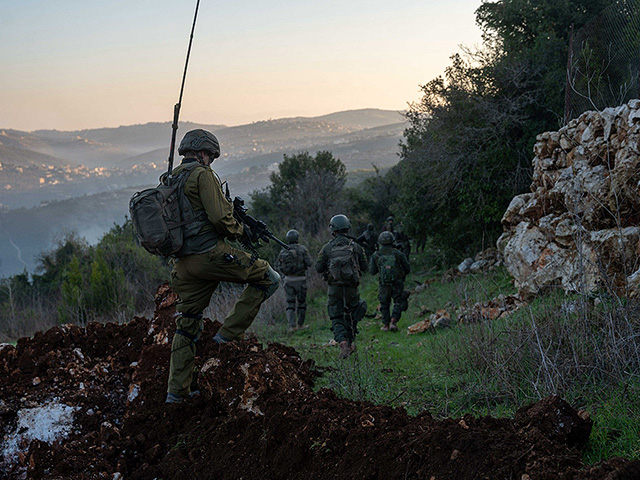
(403, 240)
(341, 261)
(293, 265)
(393, 267)
(206, 259)
(369, 240)
(388, 227)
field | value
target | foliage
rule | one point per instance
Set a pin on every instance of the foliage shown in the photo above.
(467, 150)
(374, 198)
(304, 193)
(76, 283)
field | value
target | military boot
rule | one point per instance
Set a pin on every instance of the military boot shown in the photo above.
(302, 313)
(392, 326)
(345, 349)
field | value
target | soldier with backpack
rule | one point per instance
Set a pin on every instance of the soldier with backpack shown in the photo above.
(292, 265)
(392, 266)
(341, 262)
(206, 259)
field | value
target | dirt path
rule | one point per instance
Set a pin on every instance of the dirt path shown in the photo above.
(101, 389)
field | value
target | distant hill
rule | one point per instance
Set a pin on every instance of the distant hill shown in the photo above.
(365, 118)
(56, 181)
(22, 157)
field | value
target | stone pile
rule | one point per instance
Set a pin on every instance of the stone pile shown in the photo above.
(578, 229)
(483, 261)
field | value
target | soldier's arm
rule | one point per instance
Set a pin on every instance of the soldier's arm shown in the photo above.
(405, 263)
(362, 259)
(373, 266)
(322, 260)
(308, 261)
(278, 263)
(219, 209)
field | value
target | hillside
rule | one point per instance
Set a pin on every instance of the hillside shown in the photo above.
(42, 172)
(88, 403)
(27, 232)
(68, 164)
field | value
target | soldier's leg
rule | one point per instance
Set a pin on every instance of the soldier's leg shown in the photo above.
(335, 308)
(384, 295)
(290, 294)
(194, 295)
(227, 264)
(183, 352)
(302, 304)
(398, 300)
(352, 305)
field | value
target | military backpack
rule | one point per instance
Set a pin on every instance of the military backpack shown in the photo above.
(163, 217)
(343, 266)
(388, 269)
(289, 261)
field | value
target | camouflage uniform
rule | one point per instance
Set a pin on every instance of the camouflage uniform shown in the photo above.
(204, 261)
(395, 291)
(295, 284)
(369, 240)
(343, 304)
(403, 240)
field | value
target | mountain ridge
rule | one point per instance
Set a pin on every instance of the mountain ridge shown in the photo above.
(40, 169)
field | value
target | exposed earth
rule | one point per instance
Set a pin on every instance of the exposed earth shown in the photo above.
(85, 403)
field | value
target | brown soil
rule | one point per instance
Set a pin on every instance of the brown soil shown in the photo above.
(258, 417)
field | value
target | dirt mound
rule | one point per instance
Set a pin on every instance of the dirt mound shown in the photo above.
(84, 403)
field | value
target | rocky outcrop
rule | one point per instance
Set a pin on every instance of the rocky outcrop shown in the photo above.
(579, 228)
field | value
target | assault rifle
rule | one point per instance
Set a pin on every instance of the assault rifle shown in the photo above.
(255, 229)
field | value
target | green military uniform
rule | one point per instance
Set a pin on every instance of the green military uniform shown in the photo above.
(204, 261)
(402, 240)
(295, 281)
(369, 240)
(395, 290)
(343, 304)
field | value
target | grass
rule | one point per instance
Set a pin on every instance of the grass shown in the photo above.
(559, 344)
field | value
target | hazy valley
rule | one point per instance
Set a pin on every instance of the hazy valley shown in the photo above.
(53, 182)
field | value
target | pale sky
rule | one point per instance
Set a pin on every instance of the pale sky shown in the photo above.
(75, 64)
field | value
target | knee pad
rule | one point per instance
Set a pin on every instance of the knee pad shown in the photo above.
(274, 277)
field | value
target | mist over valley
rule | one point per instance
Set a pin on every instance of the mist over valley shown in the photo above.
(55, 182)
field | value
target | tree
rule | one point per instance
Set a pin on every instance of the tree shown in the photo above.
(468, 147)
(374, 199)
(304, 193)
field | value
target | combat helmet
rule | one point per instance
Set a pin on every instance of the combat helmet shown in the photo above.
(199, 140)
(292, 236)
(386, 238)
(339, 222)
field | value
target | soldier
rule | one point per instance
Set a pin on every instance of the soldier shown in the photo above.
(341, 261)
(293, 265)
(393, 267)
(403, 240)
(369, 240)
(388, 227)
(206, 259)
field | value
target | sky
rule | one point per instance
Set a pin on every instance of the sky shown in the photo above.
(80, 64)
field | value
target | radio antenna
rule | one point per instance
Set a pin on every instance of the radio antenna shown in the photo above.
(176, 108)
